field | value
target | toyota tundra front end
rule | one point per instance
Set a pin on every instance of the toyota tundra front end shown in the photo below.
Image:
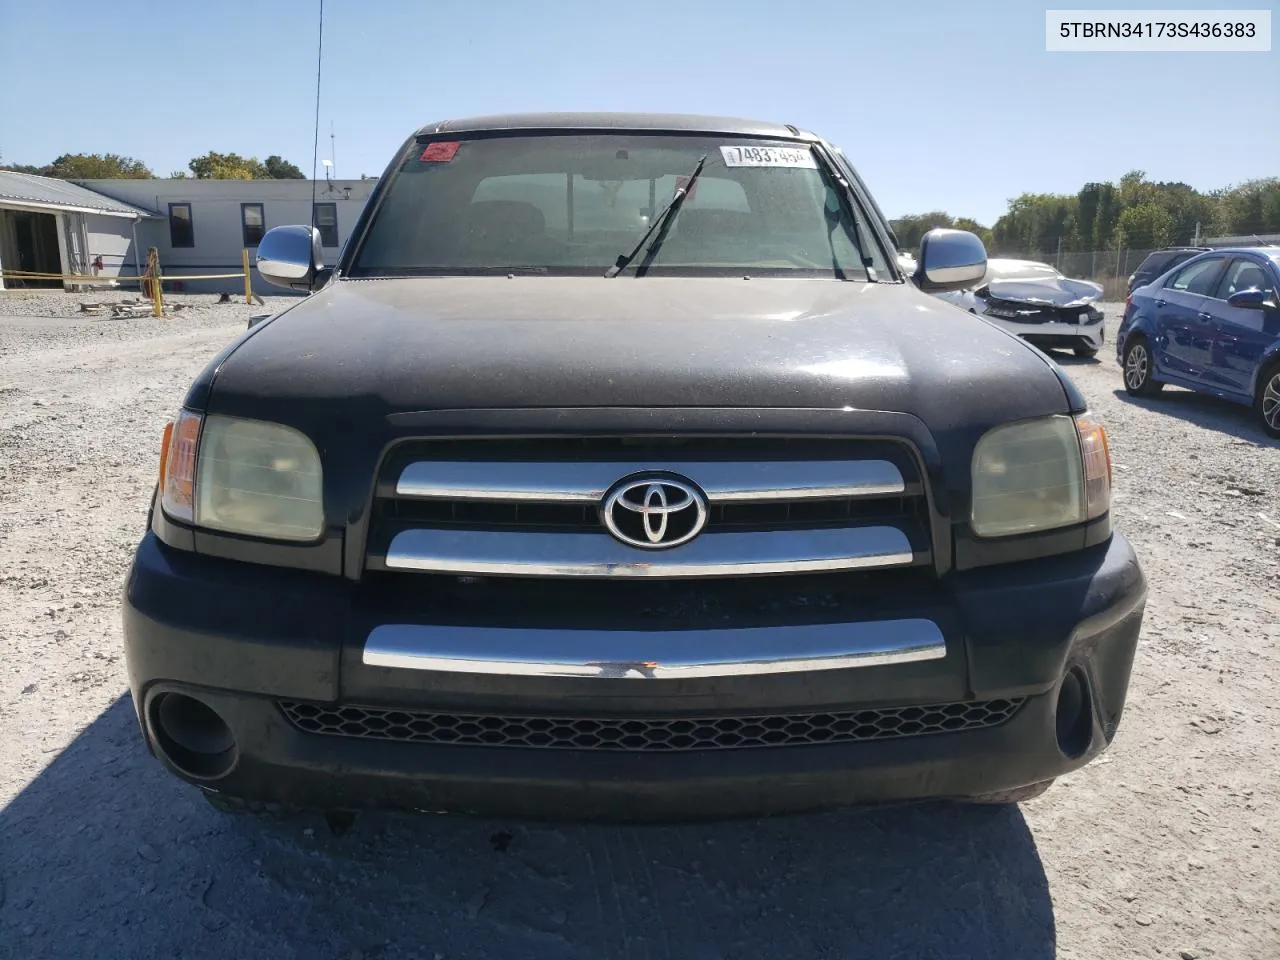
(616, 471)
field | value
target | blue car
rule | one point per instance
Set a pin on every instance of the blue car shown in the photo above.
(1211, 324)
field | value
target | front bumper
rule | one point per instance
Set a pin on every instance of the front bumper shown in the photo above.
(1061, 336)
(251, 642)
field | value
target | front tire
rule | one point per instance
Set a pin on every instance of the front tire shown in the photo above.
(1267, 403)
(1085, 353)
(1137, 372)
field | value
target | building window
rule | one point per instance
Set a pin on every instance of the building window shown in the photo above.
(252, 223)
(182, 232)
(327, 223)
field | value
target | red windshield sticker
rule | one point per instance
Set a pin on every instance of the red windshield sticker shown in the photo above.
(441, 151)
(683, 182)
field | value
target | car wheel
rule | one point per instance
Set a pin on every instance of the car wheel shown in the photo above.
(1268, 402)
(1017, 795)
(1085, 353)
(1137, 369)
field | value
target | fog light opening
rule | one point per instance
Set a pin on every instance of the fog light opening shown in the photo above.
(1075, 714)
(192, 737)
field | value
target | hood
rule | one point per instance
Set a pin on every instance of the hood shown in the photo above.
(375, 348)
(1055, 292)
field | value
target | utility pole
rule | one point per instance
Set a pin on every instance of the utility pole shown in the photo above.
(333, 151)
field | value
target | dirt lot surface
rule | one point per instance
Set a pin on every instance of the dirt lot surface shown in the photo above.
(1168, 846)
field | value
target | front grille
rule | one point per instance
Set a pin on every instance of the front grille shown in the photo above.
(654, 605)
(495, 506)
(630, 734)
(1020, 312)
(774, 515)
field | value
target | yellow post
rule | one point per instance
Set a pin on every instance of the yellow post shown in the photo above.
(248, 283)
(157, 296)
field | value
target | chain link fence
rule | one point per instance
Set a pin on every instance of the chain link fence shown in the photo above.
(1111, 268)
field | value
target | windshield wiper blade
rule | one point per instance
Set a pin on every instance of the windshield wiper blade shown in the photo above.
(666, 216)
(860, 238)
(832, 171)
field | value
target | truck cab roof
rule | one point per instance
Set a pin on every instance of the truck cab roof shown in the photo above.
(584, 121)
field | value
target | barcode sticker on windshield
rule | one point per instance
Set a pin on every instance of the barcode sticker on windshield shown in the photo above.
(747, 156)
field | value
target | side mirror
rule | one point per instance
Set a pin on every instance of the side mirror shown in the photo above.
(290, 257)
(1251, 299)
(950, 260)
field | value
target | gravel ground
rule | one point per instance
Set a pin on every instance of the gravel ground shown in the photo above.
(1168, 846)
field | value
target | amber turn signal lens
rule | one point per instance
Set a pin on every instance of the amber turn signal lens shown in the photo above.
(165, 440)
(1096, 454)
(178, 466)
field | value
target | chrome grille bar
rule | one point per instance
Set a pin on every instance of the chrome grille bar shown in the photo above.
(757, 553)
(587, 482)
(657, 655)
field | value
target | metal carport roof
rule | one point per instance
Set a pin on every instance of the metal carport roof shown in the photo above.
(27, 191)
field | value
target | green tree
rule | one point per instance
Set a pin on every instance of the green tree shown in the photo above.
(1251, 207)
(232, 166)
(96, 166)
(1189, 209)
(1146, 226)
(1136, 189)
(281, 169)
(1104, 223)
(1271, 209)
(911, 228)
(973, 226)
(914, 226)
(227, 166)
(19, 167)
(1098, 206)
(1034, 224)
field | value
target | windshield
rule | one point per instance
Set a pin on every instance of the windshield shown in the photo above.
(570, 205)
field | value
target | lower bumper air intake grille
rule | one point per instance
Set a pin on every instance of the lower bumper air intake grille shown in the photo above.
(646, 735)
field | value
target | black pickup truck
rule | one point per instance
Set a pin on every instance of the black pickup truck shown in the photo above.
(615, 470)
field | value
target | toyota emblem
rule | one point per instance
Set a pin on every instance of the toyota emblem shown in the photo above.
(654, 512)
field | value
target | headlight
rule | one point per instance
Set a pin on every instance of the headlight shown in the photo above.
(242, 476)
(1039, 475)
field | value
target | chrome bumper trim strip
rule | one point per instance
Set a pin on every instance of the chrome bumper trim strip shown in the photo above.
(660, 655)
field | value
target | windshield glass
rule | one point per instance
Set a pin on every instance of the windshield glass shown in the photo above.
(570, 205)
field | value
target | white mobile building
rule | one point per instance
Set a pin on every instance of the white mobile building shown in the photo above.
(104, 228)
(201, 226)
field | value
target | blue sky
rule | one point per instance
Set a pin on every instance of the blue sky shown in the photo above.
(940, 104)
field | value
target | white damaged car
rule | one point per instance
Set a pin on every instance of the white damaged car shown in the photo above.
(1039, 304)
